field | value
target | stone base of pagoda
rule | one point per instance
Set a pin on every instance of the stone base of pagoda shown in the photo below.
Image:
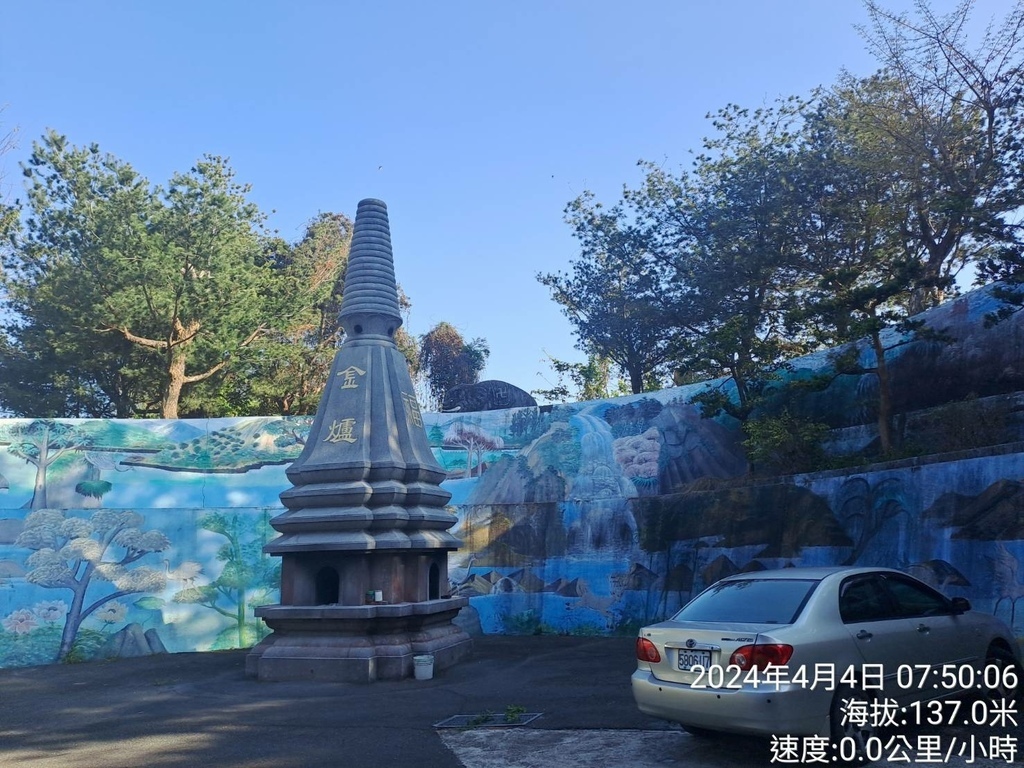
(357, 643)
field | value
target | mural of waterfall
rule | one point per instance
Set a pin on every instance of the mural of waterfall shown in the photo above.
(600, 493)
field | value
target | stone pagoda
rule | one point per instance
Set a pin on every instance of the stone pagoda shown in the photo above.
(364, 542)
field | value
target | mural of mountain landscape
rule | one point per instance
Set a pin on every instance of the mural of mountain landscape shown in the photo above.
(132, 537)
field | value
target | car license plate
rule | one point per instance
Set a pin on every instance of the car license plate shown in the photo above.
(689, 659)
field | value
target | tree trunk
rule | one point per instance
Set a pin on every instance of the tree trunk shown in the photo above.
(92, 474)
(636, 380)
(884, 395)
(39, 491)
(175, 381)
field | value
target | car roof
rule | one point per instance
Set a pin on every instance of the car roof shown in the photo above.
(816, 573)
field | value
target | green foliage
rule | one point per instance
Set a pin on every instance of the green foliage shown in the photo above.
(729, 227)
(714, 401)
(963, 425)
(633, 418)
(447, 360)
(56, 364)
(524, 623)
(615, 298)
(560, 449)
(8, 214)
(87, 646)
(93, 488)
(528, 424)
(285, 370)
(514, 713)
(784, 444)
(950, 128)
(585, 381)
(815, 222)
(132, 300)
(863, 273)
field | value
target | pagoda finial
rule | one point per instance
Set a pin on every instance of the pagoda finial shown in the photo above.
(369, 304)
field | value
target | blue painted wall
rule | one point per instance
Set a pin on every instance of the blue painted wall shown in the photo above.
(121, 537)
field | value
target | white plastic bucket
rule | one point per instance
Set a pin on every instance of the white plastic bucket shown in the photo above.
(423, 667)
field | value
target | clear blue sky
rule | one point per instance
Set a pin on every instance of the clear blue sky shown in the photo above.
(476, 122)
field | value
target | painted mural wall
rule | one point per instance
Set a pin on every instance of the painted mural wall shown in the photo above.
(128, 537)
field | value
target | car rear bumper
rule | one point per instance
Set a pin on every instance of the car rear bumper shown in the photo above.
(788, 710)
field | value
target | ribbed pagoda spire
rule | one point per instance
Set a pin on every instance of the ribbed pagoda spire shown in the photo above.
(369, 303)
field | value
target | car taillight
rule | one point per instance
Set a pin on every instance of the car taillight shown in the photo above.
(761, 656)
(646, 650)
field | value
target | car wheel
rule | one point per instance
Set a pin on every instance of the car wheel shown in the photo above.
(1006, 682)
(852, 724)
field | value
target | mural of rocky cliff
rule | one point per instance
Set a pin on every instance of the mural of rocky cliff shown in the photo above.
(963, 354)
(129, 537)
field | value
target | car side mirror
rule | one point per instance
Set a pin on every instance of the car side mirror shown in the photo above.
(961, 605)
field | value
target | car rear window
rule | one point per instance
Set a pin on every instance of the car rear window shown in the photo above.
(758, 601)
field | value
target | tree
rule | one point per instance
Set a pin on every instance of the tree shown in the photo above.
(784, 444)
(860, 268)
(614, 295)
(139, 293)
(447, 360)
(728, 230)
(582, 381)
(284, 370)
(951, 120)
(56, 361)
(407, 343)
(218, 278)
(74, 553)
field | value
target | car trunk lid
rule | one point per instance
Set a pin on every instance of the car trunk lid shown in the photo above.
(682, 645)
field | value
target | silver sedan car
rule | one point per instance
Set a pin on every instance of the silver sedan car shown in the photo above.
(794, 651)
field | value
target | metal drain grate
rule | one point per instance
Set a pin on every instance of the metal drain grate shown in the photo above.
(486, 720)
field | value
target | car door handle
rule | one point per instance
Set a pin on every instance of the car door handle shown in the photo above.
(923, 629)
(864, 635)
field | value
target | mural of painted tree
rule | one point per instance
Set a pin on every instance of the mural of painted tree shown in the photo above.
(93, 488)
(249, 578)
(865, 508)
(249, 444)
(474, 439)
(42, 443)
(77, 553)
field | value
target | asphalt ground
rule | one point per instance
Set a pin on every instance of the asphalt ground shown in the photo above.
(199, 709)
